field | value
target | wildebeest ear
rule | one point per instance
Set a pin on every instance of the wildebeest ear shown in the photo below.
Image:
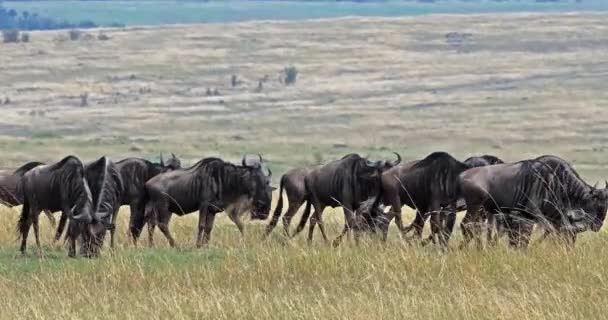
(606, 187)
(273, 188)
(173, 156)
(244, 161)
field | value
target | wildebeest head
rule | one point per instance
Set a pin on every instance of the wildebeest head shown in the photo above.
(595, 207)
(259, 188)
(106, 188)
(172, 163)
(482, 161)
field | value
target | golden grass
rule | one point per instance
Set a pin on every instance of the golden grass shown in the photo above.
(279, 279)
(524, 85)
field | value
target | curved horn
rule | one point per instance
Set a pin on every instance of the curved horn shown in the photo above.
(269, 171)
(396, 162)
(261, 160)
(244, 161)
(162, 162)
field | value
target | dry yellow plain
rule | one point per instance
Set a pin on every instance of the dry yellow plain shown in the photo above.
(516, 86)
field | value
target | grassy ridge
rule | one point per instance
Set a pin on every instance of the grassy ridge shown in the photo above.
(249, 279)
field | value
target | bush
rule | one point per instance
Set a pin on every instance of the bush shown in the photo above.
(74, 34)
(291, 74)
(10, 36)
(25, 37)
(84, 99)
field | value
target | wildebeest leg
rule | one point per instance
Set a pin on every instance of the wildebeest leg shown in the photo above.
(435, 229)
(449, 221)
(71, 240)
(164, 217)
(303, 219)
(235, 217)
(418, 224)
(35, 219)
(202, 219)
(136, 211)
(51, 218)
(291, 212)
(467, 224)
(491, 222)
(208, 228)
(349, 217)
(61, 227)
(396, 212)
(317, 219)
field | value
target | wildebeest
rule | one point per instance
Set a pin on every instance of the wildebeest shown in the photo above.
(293, 184)
(106, 187)
(210, 186)
(343, 183)
(11, 193)
(543, 190)
(135, 172)
(427, 186)
(482, 161)
(60, 186)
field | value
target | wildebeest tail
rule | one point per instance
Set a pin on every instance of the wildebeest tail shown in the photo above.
(138, 218)
(23, 224)
(277, 211)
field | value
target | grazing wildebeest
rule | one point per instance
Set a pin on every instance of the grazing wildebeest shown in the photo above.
(106, 187)
(293, 184)
(427, 186)
(135, 172)
(343, 183)
(11, 193)
(543, 190)
(210, 186)
(60, 186)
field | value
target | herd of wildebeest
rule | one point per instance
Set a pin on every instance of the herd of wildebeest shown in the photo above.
(500, 199)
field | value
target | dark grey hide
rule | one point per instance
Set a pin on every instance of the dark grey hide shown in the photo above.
(106, 187)
(57, 187)
(428, 186)
(544, 190)
(11, 193)
(210, 186)
(293, 184)
(343, 183)
(135, 172)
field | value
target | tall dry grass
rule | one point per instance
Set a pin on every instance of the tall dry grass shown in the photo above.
(245, 278)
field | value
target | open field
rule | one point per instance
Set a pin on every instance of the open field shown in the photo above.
(518, 86)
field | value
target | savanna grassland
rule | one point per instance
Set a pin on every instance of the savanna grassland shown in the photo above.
(516, 86)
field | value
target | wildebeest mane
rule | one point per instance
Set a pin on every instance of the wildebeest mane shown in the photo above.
(438, 173)
(105, 183)
(553, 181)
(68, 179)
(26, 167)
